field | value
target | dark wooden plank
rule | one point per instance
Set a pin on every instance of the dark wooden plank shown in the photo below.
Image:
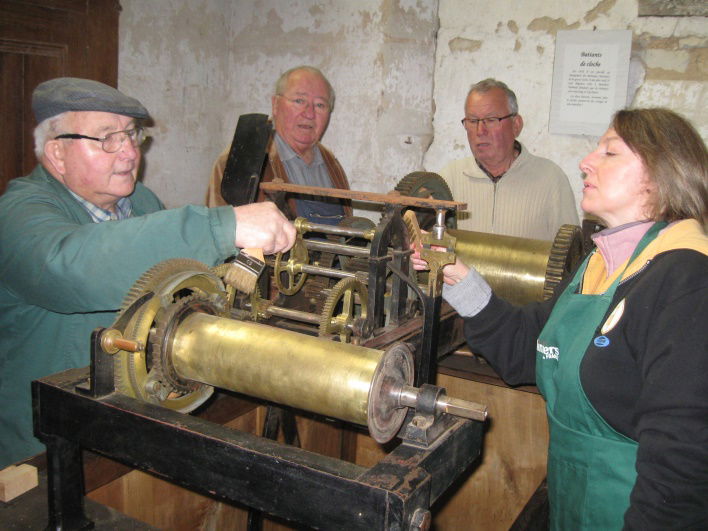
(392, 199)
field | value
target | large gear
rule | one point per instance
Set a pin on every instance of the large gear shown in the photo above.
(341, 310)
(155, 291)
(427, 184)
(566, 251)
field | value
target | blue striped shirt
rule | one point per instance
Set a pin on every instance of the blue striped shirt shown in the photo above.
(124, 209)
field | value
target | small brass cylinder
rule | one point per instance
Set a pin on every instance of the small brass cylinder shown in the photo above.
(515, 268)
(277, 365)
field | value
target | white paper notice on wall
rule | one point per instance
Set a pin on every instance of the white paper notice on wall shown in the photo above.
(590, 72)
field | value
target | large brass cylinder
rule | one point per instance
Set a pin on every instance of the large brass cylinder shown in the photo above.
(280, 366)
(515, 268)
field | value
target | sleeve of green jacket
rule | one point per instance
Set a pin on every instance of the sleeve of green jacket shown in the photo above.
(53, 258)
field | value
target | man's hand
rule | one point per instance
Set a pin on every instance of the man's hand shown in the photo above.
(263, 226)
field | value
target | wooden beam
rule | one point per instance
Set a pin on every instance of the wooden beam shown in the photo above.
(390, 198)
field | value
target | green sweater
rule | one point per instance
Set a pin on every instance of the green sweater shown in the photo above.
(61, 276)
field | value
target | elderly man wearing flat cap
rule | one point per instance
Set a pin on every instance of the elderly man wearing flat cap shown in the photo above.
(80, 230)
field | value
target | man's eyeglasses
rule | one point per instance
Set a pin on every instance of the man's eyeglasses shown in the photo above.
(490, 123)
(112, 142)
(301, 104)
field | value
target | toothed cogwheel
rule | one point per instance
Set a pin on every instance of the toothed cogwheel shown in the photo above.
(341, 309)
(157, 289)
(566, 250)
(427, 184)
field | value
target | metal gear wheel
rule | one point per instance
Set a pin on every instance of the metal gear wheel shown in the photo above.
(566, 251)
(341, 310)
(286, 275)
(155, 291)
(427, 184)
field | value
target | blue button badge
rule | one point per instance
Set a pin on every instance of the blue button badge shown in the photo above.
(601, 341)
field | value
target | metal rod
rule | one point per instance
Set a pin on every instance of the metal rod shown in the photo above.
(306, 226)
(337, 248)
(295, 315)
(439, 227)
(408, 396)
(461, 408)
(326, 271)
(112, 341)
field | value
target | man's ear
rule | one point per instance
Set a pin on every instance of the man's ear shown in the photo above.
(273, 104)
(55, 154)
(517, 125)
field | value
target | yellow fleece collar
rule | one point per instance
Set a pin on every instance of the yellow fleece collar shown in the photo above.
(684, 234)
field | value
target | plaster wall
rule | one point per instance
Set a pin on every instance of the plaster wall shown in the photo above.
(401, 70)
(515, 43)
(197, 66)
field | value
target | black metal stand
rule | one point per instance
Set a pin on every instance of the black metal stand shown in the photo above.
(288, 482)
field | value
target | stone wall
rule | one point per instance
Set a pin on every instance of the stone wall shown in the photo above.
(401, 70)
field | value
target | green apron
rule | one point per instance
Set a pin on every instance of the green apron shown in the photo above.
(591, 467)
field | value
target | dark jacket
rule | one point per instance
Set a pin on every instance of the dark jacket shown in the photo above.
(650, 384)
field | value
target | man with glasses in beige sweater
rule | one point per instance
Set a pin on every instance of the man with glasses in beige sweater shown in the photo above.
(508, 190)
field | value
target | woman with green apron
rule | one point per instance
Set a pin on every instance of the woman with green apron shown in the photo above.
(620, 353)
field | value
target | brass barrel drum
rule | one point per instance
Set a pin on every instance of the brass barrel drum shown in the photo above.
(520, 270)
(174, 342)
(298, 370)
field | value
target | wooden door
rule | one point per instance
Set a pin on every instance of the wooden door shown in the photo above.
(39, 40)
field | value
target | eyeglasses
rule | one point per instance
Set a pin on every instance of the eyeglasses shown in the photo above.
(490, 123)
(301, 104)
(112, 142)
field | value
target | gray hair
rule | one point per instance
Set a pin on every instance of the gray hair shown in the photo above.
(488, 84)
(47, 130)
(282, 82)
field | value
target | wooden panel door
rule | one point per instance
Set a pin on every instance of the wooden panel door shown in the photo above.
(39, 40)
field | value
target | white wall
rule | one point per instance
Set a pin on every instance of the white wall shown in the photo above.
(197, 66)
(515, 41)
(401, 70)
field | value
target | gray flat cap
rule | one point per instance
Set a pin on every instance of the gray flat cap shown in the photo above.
(75, 94)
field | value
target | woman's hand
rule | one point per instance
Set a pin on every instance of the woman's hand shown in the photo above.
(452, 273)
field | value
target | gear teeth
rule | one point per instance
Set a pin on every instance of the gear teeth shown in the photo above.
(345, 286)
(161, 366)
(427, 184)
(566, 250)
(157, 274)
(432, 183)
(411, 221)
(315, 286)
(299, 255)
(131, 368)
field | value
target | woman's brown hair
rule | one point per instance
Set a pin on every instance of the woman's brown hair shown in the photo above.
(675, 158)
